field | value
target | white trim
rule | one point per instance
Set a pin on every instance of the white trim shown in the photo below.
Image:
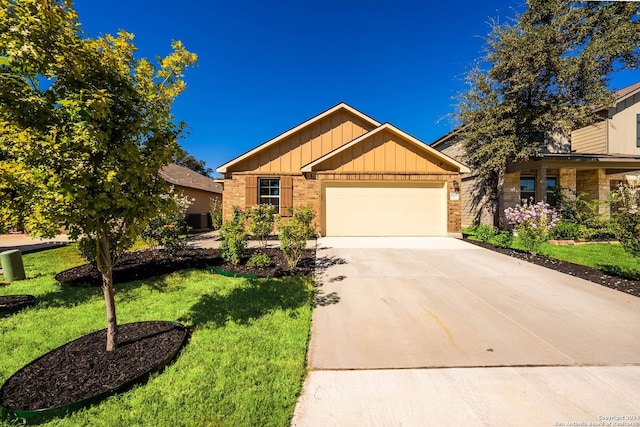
(390, 127)
(341, 106)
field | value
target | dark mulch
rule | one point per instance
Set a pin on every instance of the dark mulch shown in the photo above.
(631, 287)
(82, 369)
(10, 304)
(145, 264)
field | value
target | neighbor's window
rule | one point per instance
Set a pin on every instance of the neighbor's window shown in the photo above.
(552, 182)
(269, 192)
(527, 188)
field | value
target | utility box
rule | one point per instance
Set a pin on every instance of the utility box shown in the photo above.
(12, 266)
(198, 221)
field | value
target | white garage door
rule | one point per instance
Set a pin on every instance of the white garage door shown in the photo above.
(385, 209)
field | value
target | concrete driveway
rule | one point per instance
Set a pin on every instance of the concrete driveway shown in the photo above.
(436, 331)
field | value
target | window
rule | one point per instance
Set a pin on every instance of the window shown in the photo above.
(269, 192)
(552, 182)
(527, 188)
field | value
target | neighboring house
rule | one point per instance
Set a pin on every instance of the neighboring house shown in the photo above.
(199, 188)
(361, 178)
(594, 160)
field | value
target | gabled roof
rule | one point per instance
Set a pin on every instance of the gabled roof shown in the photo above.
(185, 177)
(627, 92)
(342, 106)
(387, 126)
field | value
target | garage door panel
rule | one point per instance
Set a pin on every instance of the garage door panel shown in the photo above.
(383, 209)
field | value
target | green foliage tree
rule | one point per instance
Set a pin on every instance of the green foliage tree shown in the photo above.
(546, 71)
(89, 125)
(261, 222)
(183, 158)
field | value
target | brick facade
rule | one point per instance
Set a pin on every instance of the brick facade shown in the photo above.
(307, 191)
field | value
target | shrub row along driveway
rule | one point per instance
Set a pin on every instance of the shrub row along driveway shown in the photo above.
(443, 303)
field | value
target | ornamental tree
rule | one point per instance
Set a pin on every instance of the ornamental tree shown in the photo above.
(88, 126)
(541, 77)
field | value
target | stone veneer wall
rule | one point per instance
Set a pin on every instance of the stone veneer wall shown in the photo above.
(510, 195)
(307, 190)
(595, 184)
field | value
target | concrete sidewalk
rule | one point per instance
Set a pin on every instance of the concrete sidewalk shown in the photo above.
(25, 243)
(560, 348)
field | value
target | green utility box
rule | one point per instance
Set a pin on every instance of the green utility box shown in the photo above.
(12, 266)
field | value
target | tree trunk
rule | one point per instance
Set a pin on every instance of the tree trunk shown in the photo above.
(105, 266)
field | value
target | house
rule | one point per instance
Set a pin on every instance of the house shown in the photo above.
(361, 178)
(593, 160)
(199, 188)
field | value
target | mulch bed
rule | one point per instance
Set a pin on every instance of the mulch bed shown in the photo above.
(82, 369)
(631, 287)
(144, 264)
(10, 304)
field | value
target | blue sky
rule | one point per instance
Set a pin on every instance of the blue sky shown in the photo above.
(266, 66)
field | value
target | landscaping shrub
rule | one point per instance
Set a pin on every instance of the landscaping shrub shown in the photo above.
(294, 233)
(234, 238)
(566, 230)
(261, 221)
(626, 218)
(485, 233)
(168, 229)
(532, 222)
(259, 261)
(215, 209)
(503, 239)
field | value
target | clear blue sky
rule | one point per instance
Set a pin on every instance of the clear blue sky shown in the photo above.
(267, 66)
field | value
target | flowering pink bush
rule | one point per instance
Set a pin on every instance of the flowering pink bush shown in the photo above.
(532, 222)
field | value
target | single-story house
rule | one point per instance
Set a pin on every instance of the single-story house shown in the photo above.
(593, 160)
(361, 177)
(199, 188)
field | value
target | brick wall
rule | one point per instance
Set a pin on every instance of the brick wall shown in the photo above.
(510, 195)
(307, 191)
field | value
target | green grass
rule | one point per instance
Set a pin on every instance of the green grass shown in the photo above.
(244, 365)
(607, 257)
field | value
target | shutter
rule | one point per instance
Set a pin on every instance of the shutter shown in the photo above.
(251, 192)
(286, 195)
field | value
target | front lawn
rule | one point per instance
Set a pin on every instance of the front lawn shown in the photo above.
(607, 257)
(244, 365)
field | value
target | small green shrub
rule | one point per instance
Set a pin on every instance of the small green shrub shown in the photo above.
(234, 238)
(566, 230)
(261, 221)
(259, 261)
(215, 209)
(485, 232)
(626, 218)
(503, 239)
(168, 229)
(294, 233)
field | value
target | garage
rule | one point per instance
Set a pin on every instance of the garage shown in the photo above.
(406, 208)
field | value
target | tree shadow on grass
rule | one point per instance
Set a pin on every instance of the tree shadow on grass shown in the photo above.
(254, 299)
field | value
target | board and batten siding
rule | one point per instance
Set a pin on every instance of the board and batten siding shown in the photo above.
(290, 154)
(385, 152)
(591, 139)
